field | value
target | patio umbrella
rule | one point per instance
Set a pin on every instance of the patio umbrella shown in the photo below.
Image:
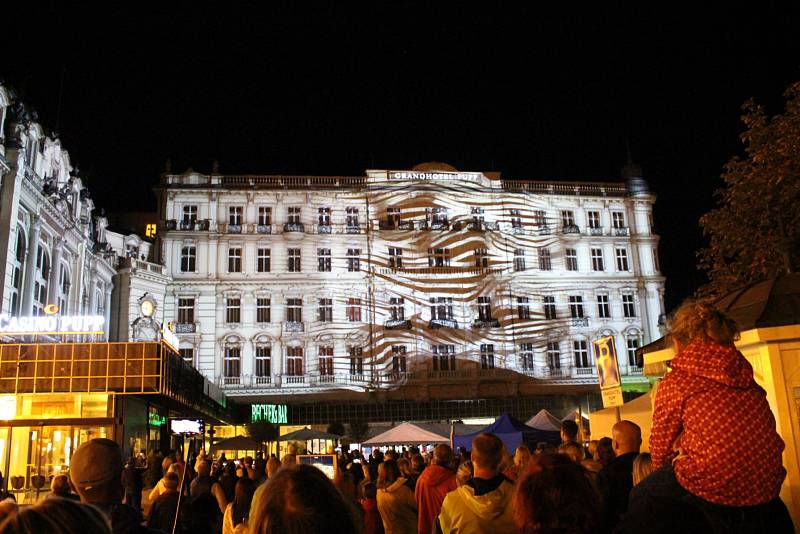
(305, 434)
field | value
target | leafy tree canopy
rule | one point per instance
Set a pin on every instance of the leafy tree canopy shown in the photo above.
(263, 431)
(754, 232)
(358, 430)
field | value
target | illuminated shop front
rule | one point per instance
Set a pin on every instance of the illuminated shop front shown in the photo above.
(56, 396)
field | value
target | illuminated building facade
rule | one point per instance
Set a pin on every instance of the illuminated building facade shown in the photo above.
(422, 284)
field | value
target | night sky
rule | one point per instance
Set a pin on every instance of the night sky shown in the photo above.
(545, 95)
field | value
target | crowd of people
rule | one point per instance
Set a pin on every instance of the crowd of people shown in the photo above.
(692, 481)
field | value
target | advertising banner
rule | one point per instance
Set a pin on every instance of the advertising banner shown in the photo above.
(605, 356)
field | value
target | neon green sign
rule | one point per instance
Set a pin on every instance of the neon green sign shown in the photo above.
(156, 420)
(271, 413)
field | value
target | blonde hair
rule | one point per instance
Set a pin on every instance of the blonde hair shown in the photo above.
(697, 319)
(642, 467)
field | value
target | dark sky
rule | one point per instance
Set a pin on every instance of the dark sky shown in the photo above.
(536, 94)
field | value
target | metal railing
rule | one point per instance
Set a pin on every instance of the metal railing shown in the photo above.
(294, 227)
(580, 321)
(185, 328)
(397, 324)
(570, 229)
(293, 326)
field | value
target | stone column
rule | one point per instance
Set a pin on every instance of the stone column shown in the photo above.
(30, 266)
(55, 272)
(107, 312)
(92, 292)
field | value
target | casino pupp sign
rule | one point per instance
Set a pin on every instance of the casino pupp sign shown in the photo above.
(271, 413)
(51, 325)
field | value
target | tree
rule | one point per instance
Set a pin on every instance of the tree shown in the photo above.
(358, 430)
(336, 428)
(754, 233)
(263, 432)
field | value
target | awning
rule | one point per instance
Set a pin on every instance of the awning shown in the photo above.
(406, 434)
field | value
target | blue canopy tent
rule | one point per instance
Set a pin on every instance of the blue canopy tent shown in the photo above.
(512, 433)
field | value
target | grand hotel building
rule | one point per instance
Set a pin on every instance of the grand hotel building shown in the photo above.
(408, 286)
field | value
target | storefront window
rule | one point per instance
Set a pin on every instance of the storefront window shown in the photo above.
(55, 406)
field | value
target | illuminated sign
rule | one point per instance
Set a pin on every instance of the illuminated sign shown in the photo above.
(157, 420)
(51, 325)
(150, 230)
(186, 426)
(414, 175)
(271, 413)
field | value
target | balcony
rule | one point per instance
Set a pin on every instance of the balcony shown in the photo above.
(440, 225)
(294, 380)
(323, 229)
(555, 373)
(486, 323)
(294, 227)
(620, 232)
(634, 370)
(187, 225)
(544, 230)
(262, 380)
(233, 229)
(226, 381)
(397, 324)
(584, 372)
(352, 229)
(570, 229)
(595, 231)
(387, 225)
(185, 328)
(263, 228)
(171, 224)
(293, 326)
(406, 225)
(438, 323)
(580, 322)
(451, 374)
(517, 230)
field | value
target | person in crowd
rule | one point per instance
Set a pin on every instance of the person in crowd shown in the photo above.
(573, 450)
(556, 495)
(591, 463)
(436, 481)
(56, 516)
(507, 466)
(417, 464)
(59, 487)
(642, 467)
(406, 472)
(288, 459)
(228, 480)
(375, 459)
(273, 464)
(235, 519)
(203, 484)
(300, 498)
(605, 450)
(465, 473)
(706, 401)
(615, 479)
(569, 432)
(396, 502)
(484, 503)
(259, 473)
(373, 524)
(165, 507)
(174, 469)
(133, 484)
(522, 457)
(96, 473)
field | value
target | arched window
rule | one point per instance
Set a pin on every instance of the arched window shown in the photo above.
(63, 289)
(17, 268)
(41, 276)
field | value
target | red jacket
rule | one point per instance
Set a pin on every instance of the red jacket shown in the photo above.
(372, 518)
(730, 453)
(432, 486)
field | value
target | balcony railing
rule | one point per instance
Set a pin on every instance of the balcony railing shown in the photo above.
(438, 323)
(233, 229)
(397, 324)
(595, 231)
(517, 230)
(185, 328)
(440, 225)
(263, 380)
(323, 229)
(230, 380)
(294, 380)
(263, 228)
(570, 229)
(387, 225)
(352, 229)
(294, 227)
(580, 321)
(293, 326)
(171, 224)
(486, 323)
(634, 370)
(620, 232)
(555, 372)
(187, 225)
(584, 372)
(544, 230)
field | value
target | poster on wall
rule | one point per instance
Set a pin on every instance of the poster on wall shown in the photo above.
(608, 376)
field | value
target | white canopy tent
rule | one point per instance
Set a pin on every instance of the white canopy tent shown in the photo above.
(544, 420)
(405, 434)
(639, 411)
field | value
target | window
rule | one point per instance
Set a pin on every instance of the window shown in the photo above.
(549, 304)
(188, 259)
(354, 310)
(519, 260)
(185, 310)
(263, 310)
(628, 307)
(324, 216)
(618, 219)
(235, 260)
(189, 214)
(602, 306)
(477, 216)
(263, 261)
(232, 363)
(539, 218)
(63, 289)
(481, 258)
(438, 217)
(351, 217)
(575, 306)
(545, 262)
(397, 308)
(395, 258)
(353, 260)
(263, 361)
(356, 361)
(526, 356)
(593, 218)
(187, 354)
(597, 259)
(294, 361)
(16, 278)
(233, 309)
(294, 310)
(235, 215)
(399, 359)
(622, 259)
(632, 344)
(294, 260)
(444, 357)
(484, 308)
(393, 217)
(324, 260)
(567, 218)
(581, 352)
(264, 215)
(553, 355)
(523, 308)
(325, 314)
(655, 260)
(571, 256)
(441, 308)
(438, 257)
(516, 220)
(293, 215)
(487, 356)
(326, 361)
(41, 277)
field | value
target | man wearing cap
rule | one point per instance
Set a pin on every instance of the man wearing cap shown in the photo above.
(96, 473)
